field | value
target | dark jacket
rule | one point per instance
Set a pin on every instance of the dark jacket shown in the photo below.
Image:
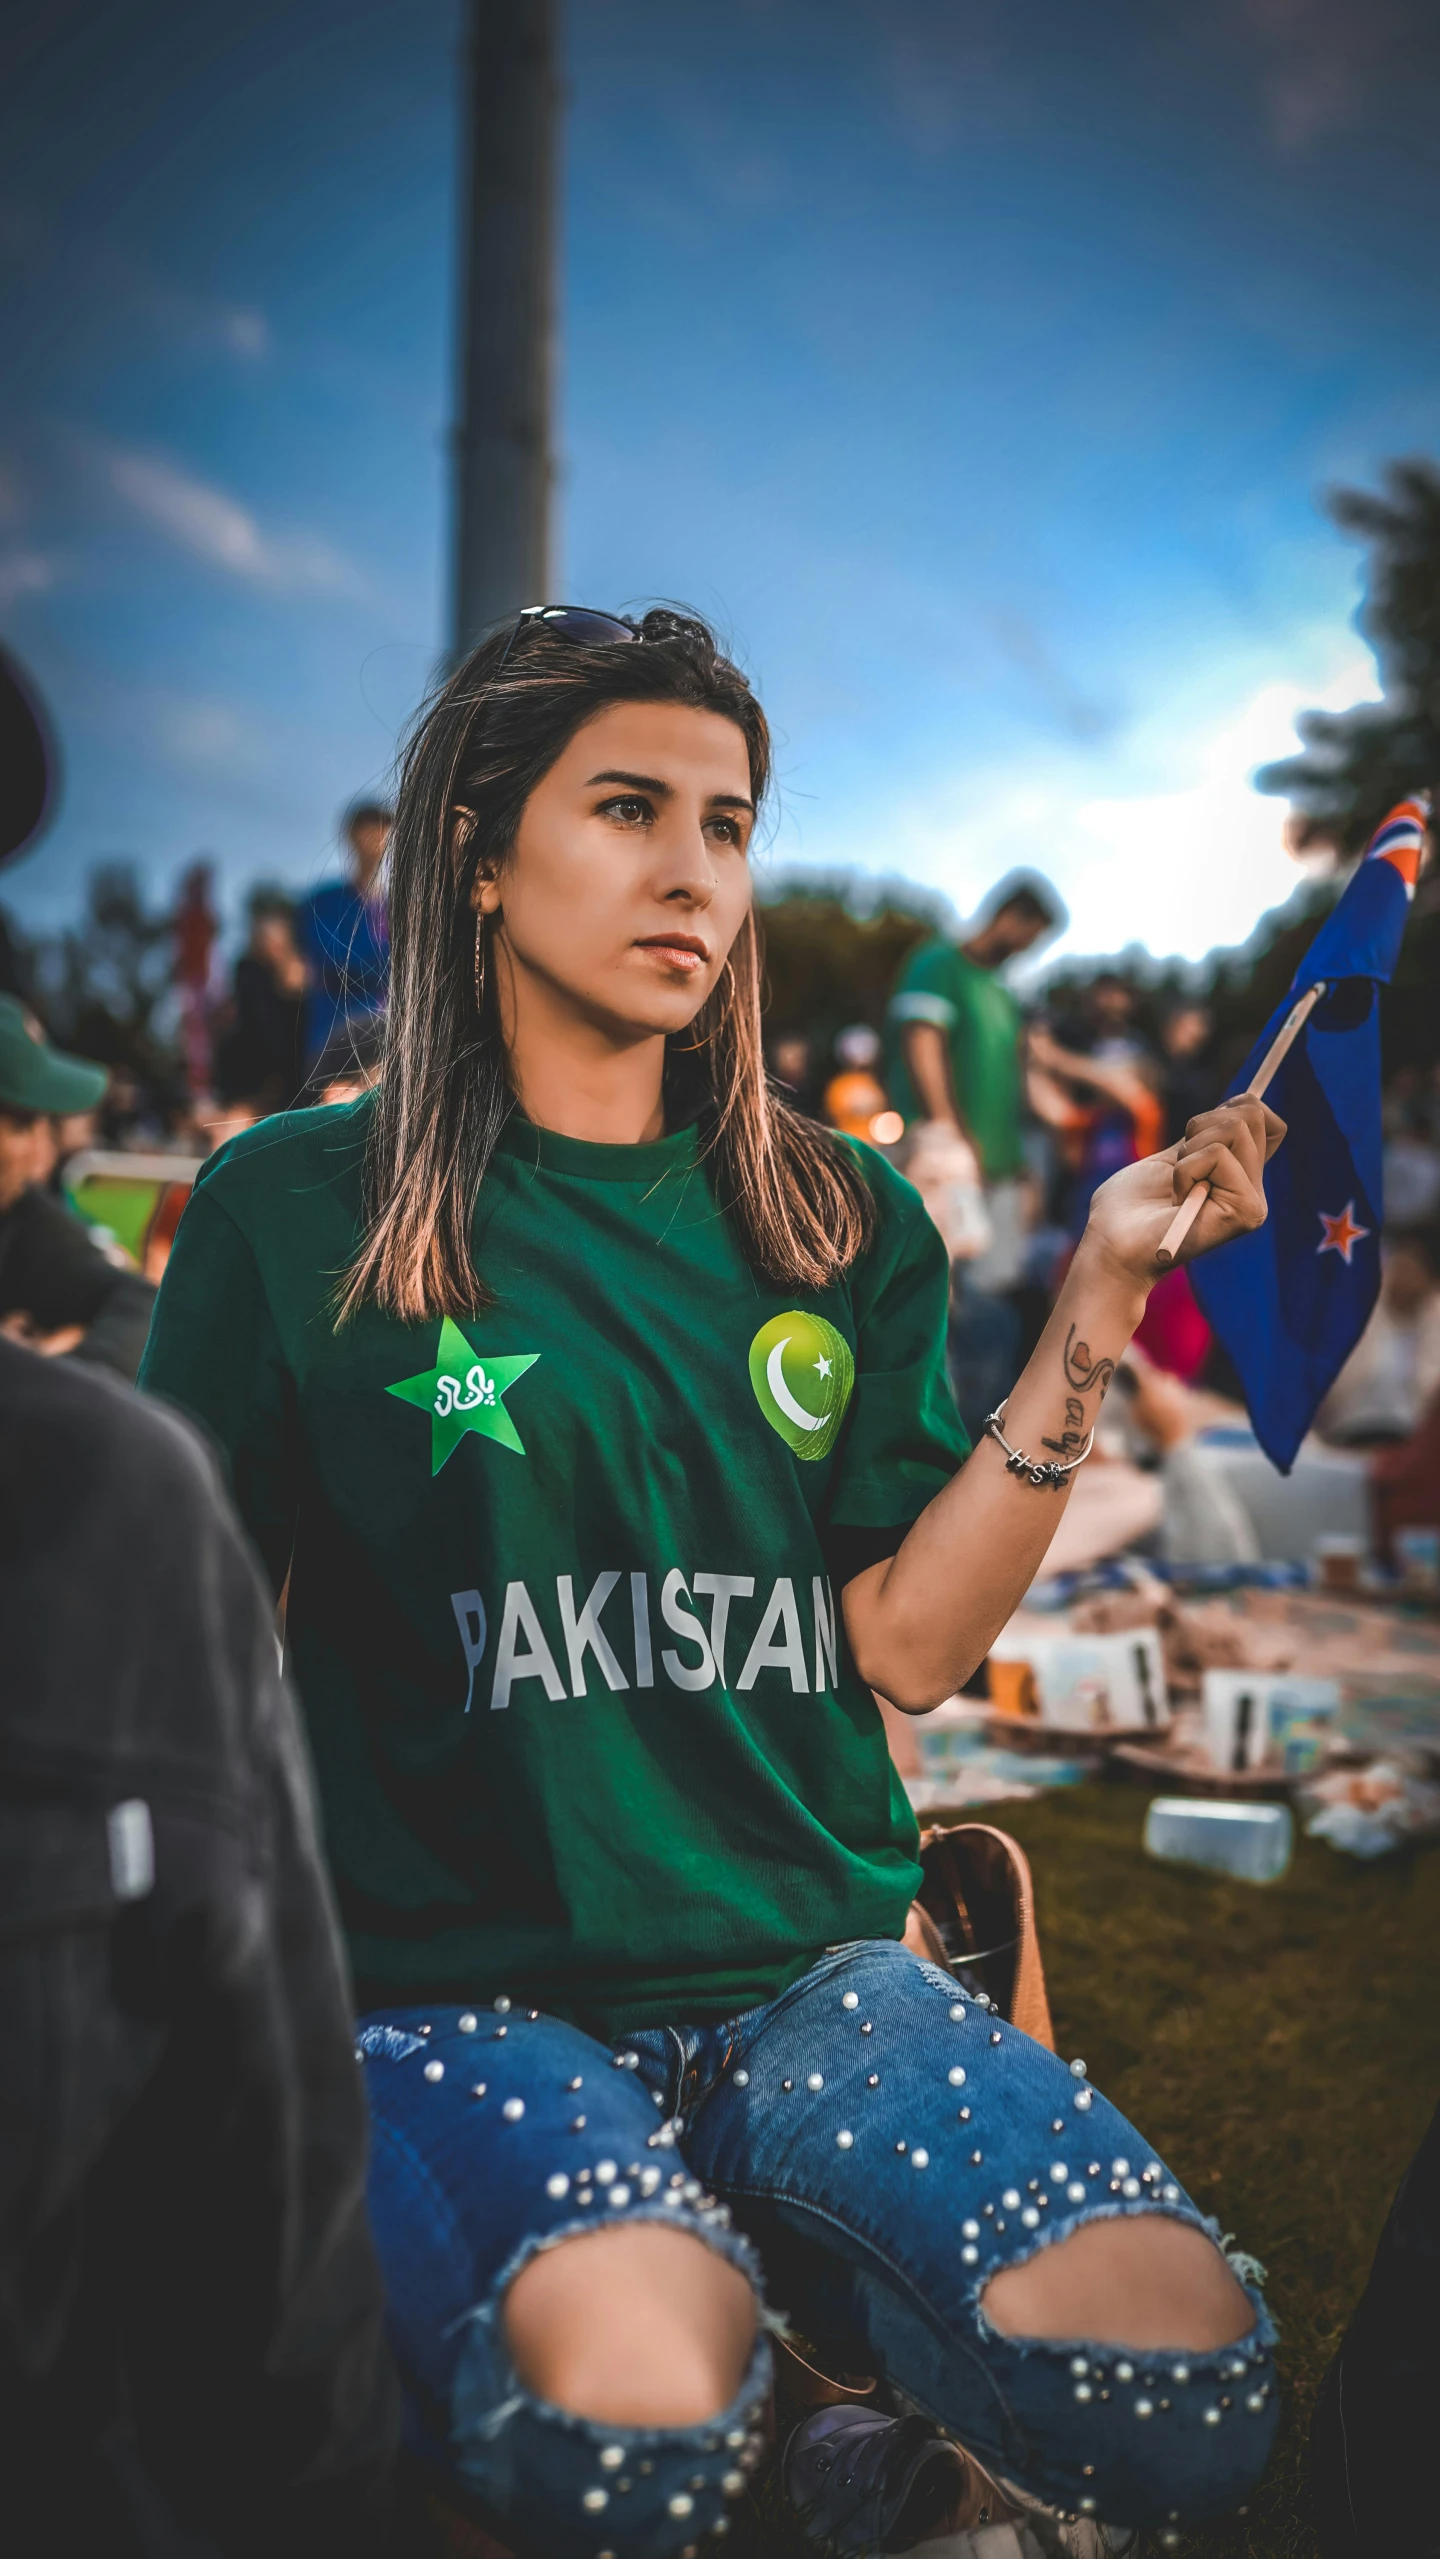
(191, 2348)
(258, 1060)
(52, 1270)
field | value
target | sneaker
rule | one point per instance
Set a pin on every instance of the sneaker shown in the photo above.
(1033, 2536)
(995, 2520)
(1068, 2536)
(861, 2484)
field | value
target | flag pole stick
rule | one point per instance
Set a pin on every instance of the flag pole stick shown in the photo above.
(1275, 1055)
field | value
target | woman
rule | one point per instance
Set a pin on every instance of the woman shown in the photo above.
(594, 1403)
(258, 1060)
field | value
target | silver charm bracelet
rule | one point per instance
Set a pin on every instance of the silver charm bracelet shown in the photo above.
(1046, 1474)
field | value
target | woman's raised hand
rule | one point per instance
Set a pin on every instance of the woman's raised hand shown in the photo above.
(1228, 1148)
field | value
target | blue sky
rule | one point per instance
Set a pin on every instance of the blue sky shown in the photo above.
(976, 365)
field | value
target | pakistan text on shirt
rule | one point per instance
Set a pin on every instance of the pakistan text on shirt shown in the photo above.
(523, 1650)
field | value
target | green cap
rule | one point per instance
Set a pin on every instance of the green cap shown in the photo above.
(36, 1077)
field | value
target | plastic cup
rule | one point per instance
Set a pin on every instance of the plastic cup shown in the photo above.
(1339, 1559)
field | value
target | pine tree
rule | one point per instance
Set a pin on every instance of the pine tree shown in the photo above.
(1357, 763)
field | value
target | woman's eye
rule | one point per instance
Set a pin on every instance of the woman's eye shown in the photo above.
(728, 830)
(627, 812)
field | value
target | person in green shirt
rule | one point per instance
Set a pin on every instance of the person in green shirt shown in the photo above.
(589, 1405)
(955, 1028)
(955, 1060)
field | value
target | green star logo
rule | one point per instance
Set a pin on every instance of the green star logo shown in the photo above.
(463, 1392)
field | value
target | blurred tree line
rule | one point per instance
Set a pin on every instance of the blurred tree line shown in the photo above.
(1356, 764)
(104, 986)
(834, 943)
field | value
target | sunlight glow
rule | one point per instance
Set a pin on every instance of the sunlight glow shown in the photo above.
(1174, 866)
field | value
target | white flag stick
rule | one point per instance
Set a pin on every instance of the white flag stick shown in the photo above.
(1279, 1049)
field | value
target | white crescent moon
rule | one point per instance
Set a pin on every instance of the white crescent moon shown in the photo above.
(775, 1380)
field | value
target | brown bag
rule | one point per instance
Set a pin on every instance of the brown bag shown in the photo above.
(976, 1913)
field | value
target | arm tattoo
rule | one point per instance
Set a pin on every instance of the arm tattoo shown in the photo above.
(1082, 1373)
(1074, 1431)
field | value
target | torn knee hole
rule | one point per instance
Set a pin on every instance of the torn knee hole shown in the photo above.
(1148, 2281)
(643, 2325)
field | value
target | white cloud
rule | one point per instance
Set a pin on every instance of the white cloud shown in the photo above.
(204, 735)
(1177, 865)
(245, 333)
(237, 328)
(1184, 870)
(194, 320)
(217, 529)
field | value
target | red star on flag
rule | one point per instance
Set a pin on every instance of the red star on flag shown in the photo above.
(1341, 1233)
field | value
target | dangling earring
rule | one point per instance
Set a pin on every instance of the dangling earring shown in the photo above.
(479, 962)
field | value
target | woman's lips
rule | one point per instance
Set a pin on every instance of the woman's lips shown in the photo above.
(678, 950)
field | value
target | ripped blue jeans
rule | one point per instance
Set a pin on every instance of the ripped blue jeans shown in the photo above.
(882, 2145)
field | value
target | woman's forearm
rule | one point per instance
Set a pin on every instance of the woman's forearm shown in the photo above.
(919, 1624)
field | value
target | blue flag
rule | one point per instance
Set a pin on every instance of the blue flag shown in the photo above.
(1291, 1301)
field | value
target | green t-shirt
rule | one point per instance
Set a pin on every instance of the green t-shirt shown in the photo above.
(982, 1024)
(562, 1577)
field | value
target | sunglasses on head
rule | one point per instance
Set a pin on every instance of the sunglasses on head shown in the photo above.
(589, 630)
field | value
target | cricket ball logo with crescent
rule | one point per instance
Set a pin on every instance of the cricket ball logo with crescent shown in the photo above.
(803, 1373)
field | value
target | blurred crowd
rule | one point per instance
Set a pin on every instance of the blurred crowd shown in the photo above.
(1006, 1117)
(1005, 1111)
(300, 1020)
(96, 1163)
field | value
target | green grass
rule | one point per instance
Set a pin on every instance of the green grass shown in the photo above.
(1279, 2045)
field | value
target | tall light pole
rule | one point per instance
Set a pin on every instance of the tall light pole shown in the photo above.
(504, 465)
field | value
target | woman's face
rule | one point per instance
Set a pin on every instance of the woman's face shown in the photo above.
(630, 880)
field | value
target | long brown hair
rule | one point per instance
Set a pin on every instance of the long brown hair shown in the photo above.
(799, 1202)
